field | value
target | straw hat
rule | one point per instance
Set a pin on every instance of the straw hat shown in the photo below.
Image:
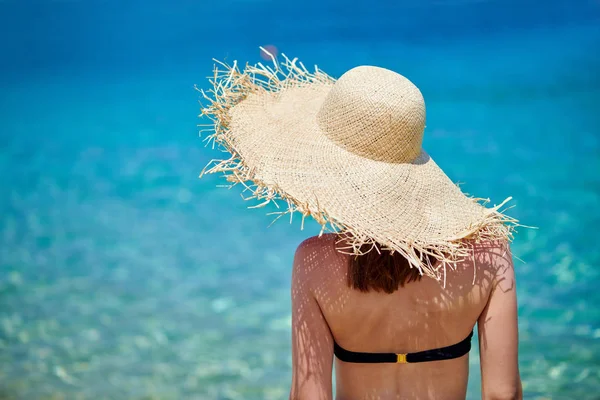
(348, 153)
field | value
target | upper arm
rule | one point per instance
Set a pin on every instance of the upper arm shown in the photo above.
(498, 332)
(312, 342)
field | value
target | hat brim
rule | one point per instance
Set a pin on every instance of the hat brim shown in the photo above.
(277, 146)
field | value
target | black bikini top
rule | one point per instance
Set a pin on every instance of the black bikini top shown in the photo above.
(443, 353)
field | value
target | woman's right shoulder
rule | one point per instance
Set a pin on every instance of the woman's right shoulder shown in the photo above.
(494, 257)
(490, 246)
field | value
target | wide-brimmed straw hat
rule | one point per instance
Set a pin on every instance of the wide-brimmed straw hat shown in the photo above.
(348, 153)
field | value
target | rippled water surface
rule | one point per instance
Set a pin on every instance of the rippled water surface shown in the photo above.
(123, 276)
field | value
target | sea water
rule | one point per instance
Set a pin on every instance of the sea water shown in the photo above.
(124, 276)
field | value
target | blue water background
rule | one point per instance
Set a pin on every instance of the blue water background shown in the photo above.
(123, 276)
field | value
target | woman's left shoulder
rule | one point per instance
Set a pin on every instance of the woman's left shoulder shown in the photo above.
(315, 253)
(317, 244)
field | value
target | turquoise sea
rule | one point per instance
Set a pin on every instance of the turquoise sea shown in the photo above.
(124, 276)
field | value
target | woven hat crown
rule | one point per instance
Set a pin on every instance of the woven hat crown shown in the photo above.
(375, 113)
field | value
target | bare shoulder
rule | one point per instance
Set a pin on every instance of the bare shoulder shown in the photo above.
(314, 254)
(488, 252)
(494, 257)
(315, 243)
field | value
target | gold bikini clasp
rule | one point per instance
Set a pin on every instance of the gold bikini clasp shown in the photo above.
(401, 359)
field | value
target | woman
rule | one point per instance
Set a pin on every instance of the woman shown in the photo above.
(412, 265)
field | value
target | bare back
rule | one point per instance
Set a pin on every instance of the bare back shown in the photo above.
(420, 316)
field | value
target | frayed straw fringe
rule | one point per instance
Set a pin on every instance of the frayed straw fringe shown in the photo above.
(230, 86)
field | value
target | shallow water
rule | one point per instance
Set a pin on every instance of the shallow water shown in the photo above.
(123, 276)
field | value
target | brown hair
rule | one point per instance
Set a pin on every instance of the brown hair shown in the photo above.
(381, 270)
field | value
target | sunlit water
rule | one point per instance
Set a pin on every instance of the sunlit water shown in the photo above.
(123, 276)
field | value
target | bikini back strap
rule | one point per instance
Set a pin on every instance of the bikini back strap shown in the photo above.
(443, 353)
